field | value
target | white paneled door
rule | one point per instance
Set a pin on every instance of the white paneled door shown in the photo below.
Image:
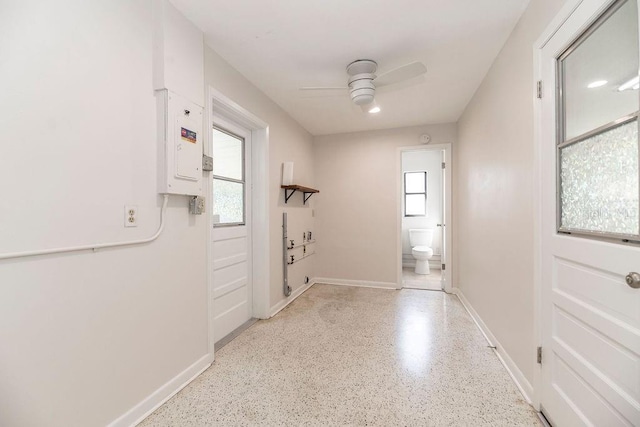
(231, 246)
(590, 218)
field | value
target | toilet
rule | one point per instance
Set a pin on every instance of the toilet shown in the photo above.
(420, 241)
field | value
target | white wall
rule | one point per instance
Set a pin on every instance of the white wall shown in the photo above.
(288, 141)
(86, 336)
(494, 192)
(356, 211)
(430, 161)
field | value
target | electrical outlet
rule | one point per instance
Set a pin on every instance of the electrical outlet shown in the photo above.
(130, 216)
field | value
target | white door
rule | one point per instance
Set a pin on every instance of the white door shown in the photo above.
(231, 246)
(590, 225)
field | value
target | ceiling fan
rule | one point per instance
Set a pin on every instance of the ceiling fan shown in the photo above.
(363, 81)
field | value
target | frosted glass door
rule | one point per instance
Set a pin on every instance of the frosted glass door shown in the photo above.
(589, 317)
(598, 174)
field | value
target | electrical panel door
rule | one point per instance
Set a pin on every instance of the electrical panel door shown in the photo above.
(181, 141)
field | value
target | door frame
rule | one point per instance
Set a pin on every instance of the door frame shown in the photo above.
(448, 260)
(222, 108)
(566, 12)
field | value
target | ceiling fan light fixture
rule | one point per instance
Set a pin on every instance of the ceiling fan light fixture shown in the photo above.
(362, 81)
(373, 108)
(362, 89)
(362, 98)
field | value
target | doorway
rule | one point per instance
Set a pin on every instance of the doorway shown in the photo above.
(588, 296)
(238, 213)
(232, 223)
(424, 213)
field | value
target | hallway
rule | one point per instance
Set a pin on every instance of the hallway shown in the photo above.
(355, 356)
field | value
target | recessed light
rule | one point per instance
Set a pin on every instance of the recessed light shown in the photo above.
(597, 83)
(374, 110)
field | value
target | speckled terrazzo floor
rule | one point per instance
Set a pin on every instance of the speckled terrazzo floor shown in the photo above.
(345, 356)
(431, 281)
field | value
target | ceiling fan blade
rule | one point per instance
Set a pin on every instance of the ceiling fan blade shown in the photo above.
(401, 74)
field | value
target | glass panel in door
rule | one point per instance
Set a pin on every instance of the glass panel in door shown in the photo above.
(598, 173)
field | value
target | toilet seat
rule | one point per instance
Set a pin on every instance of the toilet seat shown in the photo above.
(423, 250)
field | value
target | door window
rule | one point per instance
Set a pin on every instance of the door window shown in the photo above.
(597, 155)
(228, 179)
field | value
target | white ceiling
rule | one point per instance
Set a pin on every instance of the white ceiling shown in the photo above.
(280, 45)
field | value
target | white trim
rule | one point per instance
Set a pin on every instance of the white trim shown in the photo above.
(288, 300)
(514, 372)
(556, 23)
(208, 150)
(448, 218)
(433, 265)
(357, 283)
(567, 10)
(537, 230)
(156, 399)
(219, 106)
(408, 261)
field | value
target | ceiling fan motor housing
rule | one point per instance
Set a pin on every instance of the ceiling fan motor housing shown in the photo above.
(361, 87)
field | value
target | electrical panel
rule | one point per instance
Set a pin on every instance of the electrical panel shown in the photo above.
(181, 135)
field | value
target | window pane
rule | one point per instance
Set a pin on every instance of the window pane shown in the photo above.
(599, 182)
(415, 204)
(228, 201)
(415, 182)
(227, 155)
(609, 54)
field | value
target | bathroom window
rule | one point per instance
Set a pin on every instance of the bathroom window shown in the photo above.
(228, 179)
(415, 193)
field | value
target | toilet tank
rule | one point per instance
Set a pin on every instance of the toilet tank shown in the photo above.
(420, 237)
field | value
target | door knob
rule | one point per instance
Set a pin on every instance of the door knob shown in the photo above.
(633, 280)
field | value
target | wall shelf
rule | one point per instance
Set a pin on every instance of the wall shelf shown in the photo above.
(308, 242)
(300, 259)
(307, 192)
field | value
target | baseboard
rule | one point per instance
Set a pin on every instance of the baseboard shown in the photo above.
(357, 283)
(288, 300)
(156, 399)
(410, 262)
(432, 266)
(514, 372)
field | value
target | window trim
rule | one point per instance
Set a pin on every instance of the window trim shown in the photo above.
(404, 190)
(235, 180)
